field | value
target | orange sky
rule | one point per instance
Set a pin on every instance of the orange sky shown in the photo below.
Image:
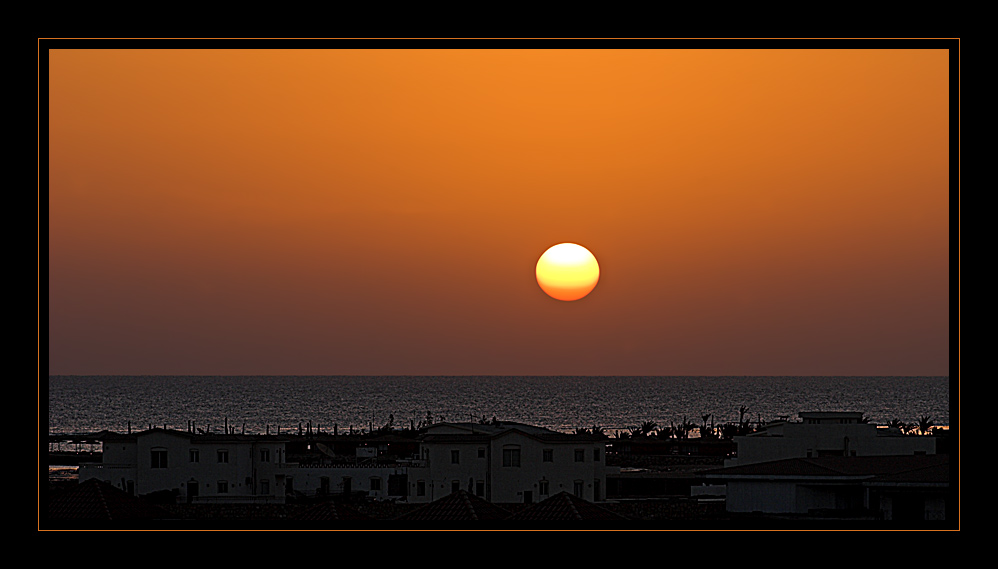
(754, 212)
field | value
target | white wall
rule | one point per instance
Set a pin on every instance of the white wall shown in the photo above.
(798, 439)
(767, 497)
(508, 484)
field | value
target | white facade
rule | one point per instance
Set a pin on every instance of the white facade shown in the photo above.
(507, 463)
(826, 434)
(230, 469)
(200, 468)
(372, 481)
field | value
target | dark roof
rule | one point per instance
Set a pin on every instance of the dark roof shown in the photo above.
(881, 467)
(198, 437)
(938, 473)
(478, 432)
(457, 506)
(564, 507)
(98, 500)
(456, 438)
(329, 512)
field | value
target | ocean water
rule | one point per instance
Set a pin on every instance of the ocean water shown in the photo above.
(82, 404)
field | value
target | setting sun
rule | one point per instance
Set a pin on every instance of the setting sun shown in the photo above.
(567, 271)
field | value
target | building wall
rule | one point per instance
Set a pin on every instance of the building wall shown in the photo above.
(758, 496)
(561, 474)
(254, 469)
(483, 462)
(309, 480)
(158, 461)
(800, 439)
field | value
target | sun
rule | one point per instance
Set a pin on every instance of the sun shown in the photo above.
(567, 271)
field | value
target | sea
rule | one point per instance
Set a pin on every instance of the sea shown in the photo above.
(271, 404)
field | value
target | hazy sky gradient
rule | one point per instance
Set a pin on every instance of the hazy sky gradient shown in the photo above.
(754, 212)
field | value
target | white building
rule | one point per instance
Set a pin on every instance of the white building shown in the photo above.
(820, 434)
(506, 462)
(231, 468)
(500, 462)
(900, 488)
(199, 467)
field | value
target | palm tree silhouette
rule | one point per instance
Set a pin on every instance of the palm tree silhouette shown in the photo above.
(924, 425)
(647, 428)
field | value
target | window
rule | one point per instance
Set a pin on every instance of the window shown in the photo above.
(375, 484)
(577, 488)
(420, 488)
(595, 455)
(455, 457)
(195, 455)
(265, 455)
(481, 453)
(223, 456)
(596, 497)
(455, 485)
(543, 488)
(511, 456)
(158, 458)
(265, 487)
(480, 489)
(580, 455)
(223, 487)
(548, 455)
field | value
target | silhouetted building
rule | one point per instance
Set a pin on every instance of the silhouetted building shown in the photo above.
(820, 434)
(504, 462)
(909, 487)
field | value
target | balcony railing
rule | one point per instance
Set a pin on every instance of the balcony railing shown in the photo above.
(238, 499)
(105, 466)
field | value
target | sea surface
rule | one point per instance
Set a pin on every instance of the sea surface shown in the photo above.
(258, 404)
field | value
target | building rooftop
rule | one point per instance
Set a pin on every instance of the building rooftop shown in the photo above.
(914, 468)
(98, 500)
(108, 436)
(329, 512)
(457, 506)
(565, 507)
(446, 432)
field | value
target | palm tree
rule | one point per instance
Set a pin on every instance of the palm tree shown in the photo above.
(684, 428)
(743, 424)
(729, 431)
(648, 427)
(897, 424)
(924, 425)
(666, 432)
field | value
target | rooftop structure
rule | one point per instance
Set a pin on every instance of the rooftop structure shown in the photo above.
(820, 434)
